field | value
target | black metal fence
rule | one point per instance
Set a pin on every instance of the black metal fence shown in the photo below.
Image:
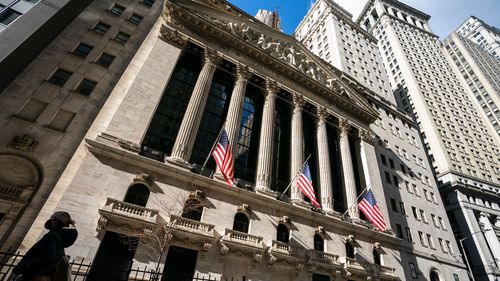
(85, 271)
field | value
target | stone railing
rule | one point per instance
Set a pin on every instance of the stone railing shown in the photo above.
(10, 191)
(130, 210)
(190, 225)
(284, 248)
(384, 270)
(323, 257)
(353, 264)
(242, 238)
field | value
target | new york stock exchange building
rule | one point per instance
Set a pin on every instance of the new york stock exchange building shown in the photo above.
(145, 190)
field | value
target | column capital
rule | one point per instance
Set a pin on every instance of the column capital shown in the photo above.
(344, 126)
(211, 56)
(271, 87)
(243, 72)
(367, 136)
(321, 115)
(298, 100)
(173, 37)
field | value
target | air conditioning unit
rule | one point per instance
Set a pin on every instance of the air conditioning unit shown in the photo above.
(200, 170)
(153, 154)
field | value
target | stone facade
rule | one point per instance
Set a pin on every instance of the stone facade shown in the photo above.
(45, 116)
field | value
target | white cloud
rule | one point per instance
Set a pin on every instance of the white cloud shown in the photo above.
(353, 6)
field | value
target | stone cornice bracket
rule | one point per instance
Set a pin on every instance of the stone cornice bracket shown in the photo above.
(148, 179)
(197, 195)
(367, 136)
(350, 238)
(243, 72)
(245, 209)
(284, 220)
(173, 37)
(320, 230)
(210, 56)
(344, 126)
(271, 87)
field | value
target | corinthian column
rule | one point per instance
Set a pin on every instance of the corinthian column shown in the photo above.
(235, 111)
(365, 138)
(186, 136)
(264, 165)
(325, 175)
(297, 146)
(347, 168)
(491, 237)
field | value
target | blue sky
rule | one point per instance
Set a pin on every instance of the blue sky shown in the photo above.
(446, 15)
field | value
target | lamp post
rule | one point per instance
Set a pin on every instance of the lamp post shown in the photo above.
(469, 270)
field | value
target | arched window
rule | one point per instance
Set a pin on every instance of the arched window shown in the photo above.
(434, 276)
(137, 194)
(241, 222)
(377, 257)
(283, 234)
(349, 250)
(319, 244)
(192, 210)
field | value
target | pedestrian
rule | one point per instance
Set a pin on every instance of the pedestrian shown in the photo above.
(46, 260)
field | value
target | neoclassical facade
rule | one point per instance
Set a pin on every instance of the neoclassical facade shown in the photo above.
(144, 169)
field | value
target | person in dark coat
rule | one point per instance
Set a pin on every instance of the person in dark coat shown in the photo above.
(40, 262)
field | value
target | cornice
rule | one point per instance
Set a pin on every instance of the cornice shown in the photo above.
(229, 38)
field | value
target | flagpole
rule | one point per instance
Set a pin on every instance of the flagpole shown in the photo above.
(352, 204)
(215, 143)
(295, 177)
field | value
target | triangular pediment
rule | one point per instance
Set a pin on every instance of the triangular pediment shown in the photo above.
(286, 49)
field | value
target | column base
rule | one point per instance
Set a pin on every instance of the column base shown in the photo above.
(179, 162)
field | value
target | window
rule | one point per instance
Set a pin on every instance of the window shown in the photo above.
(101, 28)
(455, 277)
(441, 244)
(377, 259)
(31, 110)
(117, 9)
(241, 222)
(391, 163)
(384, 161)
(282, 233)
(422, 239)
(349, 250)
(8, 16)
(441, 223)
(402, 207)
(408, 234)
(61, 120)
(193, 209)
(60, 77)
(85, 87)
(399, 231)
(448, 245)
(105, 60)
(413, 271)
(320, 277)
(148, 2)
(135, 18)
(319, 244)
(137, 194)
(434, 221)
(387, 177)
(82, 50)
(121, 37)
(395, 180)
(415, 213)
(431, 242)
(394, 205)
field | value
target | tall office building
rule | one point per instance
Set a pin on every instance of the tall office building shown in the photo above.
(484, 35)
(46, 111)
(479, 72)
(462, 148)
(416, 210)
(271, 19)
(207, 65)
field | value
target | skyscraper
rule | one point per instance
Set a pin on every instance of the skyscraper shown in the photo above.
(462, 148)
(479, 72)
(416, 210)
(482, 34)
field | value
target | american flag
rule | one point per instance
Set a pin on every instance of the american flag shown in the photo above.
(371, 210)
(306, 186)
(224, 159)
